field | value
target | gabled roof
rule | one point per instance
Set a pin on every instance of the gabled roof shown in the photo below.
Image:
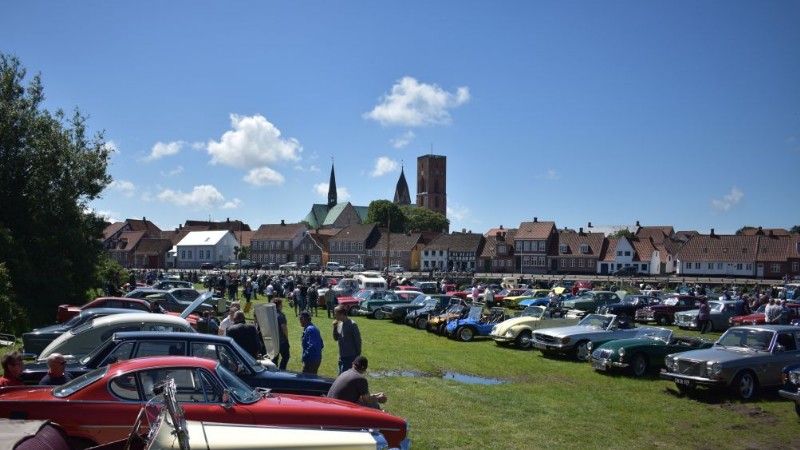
(719, 247)
(144, 225)
(127, 241)
(656, 233)
(317, 215)
(278, 231)
(203, 237)
(398, 241)
(491, 243)
(153, 246)
(772, 248)
(643, 248)
(458, 242)
(113, 229)
(535, 230)
(334, 213)
(609, 251)
(574, 240)
(230, 225)
(355, 232)
(765, 231)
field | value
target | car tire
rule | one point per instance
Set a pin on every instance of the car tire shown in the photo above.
(352, 311)
(523, 340)
(421, 323)
(745, 385)
(581, 351)
(465, 334)
(639, 366)
(441, 330)
(663, 320)
(379, 315)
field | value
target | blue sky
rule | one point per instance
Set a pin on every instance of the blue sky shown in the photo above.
(682, 113)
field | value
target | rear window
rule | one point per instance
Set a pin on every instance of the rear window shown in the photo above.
(79, 383)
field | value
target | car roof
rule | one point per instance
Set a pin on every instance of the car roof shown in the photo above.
(162, 361)
(109, 311)
(161, 336)
(138, 317)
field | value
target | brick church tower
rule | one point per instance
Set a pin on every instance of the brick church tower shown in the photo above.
(432, 183)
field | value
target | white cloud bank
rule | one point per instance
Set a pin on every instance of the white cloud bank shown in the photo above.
(728, 201)
(126, 187)
(384, 165)
(403, 140)
(201, 197)
(162, 149)
(417, 104)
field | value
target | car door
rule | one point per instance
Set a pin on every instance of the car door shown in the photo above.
(780, 358)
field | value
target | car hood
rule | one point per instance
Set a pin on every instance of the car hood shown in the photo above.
(228, 436)
(632, 342)
(56, 328)
(691, 312)
(192, 306)
(720, 354)
(516, 321)
(569, 331)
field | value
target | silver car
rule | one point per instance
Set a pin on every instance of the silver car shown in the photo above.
(574, 340)
(721, 312)
(743, 359)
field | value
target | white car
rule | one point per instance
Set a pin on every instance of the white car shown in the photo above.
(81, 340)
(288, 266)
(395, 268)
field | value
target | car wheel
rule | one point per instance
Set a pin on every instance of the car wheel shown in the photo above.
(442, 329)
(639, 365)
(582, 351)
(352, 311)
(745, 385)
(663, 320)
(421, 323)
(523, 340)
(465, 334)
(380, 315)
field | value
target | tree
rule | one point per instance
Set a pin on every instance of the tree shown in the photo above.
(423, 219)
(795, 229)
(49, 171)
(379, 213)
(743, 229)
(624, 232)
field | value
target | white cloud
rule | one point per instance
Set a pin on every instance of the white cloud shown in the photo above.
(203, 196)
(728, 201)
(253, 142)
(126, 187)
(551, 174)
(264, 176)
(232, 204)
(162, 149)
(384, 165)
(342, 195)
(110, 216)
(403, 140)
(112, 146)
(176, 171)
(311, 168)
(457, 212)
(417, 104)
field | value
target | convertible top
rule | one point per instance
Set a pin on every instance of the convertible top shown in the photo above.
(32, 435)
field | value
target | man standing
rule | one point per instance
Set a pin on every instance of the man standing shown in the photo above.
(245, 335)
(772, 313)
(352, 386)
(12, 369)
(330, 301)
(283, 337)
(56, 375)
(346, 333)
(228, 321)
(488, 296)
(312, 344)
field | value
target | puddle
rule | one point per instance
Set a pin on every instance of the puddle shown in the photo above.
(460, 377)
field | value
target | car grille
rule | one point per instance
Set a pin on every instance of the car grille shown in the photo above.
(602, 353)
(691, 368)
(545, 338)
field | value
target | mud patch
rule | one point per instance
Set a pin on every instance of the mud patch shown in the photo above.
(460, 377)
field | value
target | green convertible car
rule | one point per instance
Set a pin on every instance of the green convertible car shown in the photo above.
(643, 352)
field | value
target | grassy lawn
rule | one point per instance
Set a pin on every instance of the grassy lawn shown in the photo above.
(546, 403)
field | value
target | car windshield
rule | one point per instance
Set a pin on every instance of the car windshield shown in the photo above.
(79, 383)
(672, 301)
(241, 391)
(420, 299)
(533, 311)
(88, 325)
(363, 294)
(75, 320)
(746, 338)
(596, 321)
(661, 334)
(716, 306)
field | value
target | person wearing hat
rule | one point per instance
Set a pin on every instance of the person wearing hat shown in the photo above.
(312, 344)
(352, 386)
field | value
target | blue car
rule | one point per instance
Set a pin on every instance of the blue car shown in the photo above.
(534, 302)
(475, 324)
(791, 385)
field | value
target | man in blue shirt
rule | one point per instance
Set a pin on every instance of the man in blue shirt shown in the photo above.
(312, 344)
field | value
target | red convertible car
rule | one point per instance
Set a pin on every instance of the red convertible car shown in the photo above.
(100, 406)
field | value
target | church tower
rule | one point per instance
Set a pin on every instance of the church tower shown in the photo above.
(332, 200)
(432, 183)
(401, 195)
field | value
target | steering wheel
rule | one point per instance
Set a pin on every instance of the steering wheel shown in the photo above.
(135, 431)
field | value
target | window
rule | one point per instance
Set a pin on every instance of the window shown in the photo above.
(541, 246)
(526, 245)
(710, 266)
(688, 265)
(581, 262)
(572, 262)
(720, 266)
(189, 254)
(619, 252)
(627, 253)
(697, 265)
(795, 266)
(562, 248)
(584, 248)
(739, 266)
(775, 268)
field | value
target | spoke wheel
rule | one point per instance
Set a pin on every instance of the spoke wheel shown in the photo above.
(582, 351)
(523, 340)
(380, 315)
(421, 323)
(639, 365)
(745, 385)
(663, 321)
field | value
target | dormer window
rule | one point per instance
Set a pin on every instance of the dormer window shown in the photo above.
(562, 248)
(584, 248)
(501, 249)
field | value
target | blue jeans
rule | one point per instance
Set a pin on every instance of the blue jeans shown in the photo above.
(345, 363)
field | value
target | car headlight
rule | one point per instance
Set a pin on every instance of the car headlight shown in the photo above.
(589, 346)
(669, 362)
(509, 334)
(794, 377)
(565, 340)
(713, 368)
(621, 352)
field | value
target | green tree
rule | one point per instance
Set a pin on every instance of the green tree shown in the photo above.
(49, 171)
(744, 228)
(423, 219)
(381, 211)
(622, 232)
(795, 229)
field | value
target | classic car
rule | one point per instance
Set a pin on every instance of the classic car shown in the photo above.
(79, 341)
(98, 407)
(790, 375)
(589, 301)
(759, 317)
(398, 311)
(519, 330)
(512, 301)
(644, 352)
(175, 300)
(371, 307)
(721, 312)
(66, 312)
(351, 303)
(33, 342)
(743, 359)
(418, 318)
(169, 429)
(128, 345)
(172, 284)
(477, 323)
(436, 324)
(664, 312)
(512, 292)
(574, 340)
(628, 306)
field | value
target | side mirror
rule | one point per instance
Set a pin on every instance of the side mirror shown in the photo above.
(227, 402)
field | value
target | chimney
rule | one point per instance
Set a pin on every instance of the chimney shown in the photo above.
(535, 219)
(590, 225)
(144, 219)
(770, 232)
(712, 232)
(283, 223)
(463, 230)
(580, 230)
(501, 227)
(228, 220)
(637, 224)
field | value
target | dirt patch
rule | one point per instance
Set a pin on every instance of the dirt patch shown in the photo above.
(756, 415)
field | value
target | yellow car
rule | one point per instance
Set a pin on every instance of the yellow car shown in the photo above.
(513, 302)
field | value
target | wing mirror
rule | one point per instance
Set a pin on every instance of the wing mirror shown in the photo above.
(227, 401)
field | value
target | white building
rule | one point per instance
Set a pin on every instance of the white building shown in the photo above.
(198, 247)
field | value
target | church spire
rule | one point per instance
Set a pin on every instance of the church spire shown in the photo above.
(332, 188)
(401, 194)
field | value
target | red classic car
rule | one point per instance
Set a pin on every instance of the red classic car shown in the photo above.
(66, 312)
(759, 317)
(100, 406)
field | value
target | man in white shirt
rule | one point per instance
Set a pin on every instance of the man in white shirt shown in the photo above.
(228, 321)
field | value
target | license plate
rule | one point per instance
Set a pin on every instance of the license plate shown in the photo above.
(539, 345)
(597, 365)
(683, 382)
